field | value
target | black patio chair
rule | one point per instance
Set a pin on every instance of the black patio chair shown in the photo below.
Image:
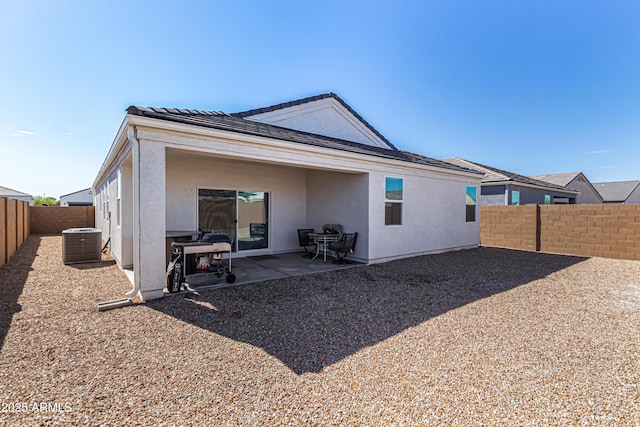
(307, 242)
(343, 247)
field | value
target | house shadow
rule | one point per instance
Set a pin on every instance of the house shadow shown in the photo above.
(93, 264)
(311, 322)
(13, 276)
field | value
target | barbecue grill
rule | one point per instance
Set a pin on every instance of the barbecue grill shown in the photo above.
(199, 259)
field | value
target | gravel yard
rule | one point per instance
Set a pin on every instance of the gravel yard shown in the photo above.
(479, 337)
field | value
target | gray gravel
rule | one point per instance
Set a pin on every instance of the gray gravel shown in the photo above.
(478, 337)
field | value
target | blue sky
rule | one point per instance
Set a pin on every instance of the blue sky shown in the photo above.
(533, 87)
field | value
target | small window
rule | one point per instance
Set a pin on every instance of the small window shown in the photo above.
(547, 199)
(515, 197)
(393, 198)
(471, 203)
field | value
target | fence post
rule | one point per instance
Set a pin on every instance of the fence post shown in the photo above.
(538, 226)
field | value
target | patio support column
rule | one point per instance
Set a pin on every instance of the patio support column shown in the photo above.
(149, 169)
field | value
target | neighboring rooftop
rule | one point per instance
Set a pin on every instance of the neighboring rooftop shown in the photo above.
(8, 192)
(495, 175)
(75, 192)
(236, 122)
(616, 192)
(562, 179)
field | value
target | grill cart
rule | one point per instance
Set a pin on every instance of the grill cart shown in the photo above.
(199, 259)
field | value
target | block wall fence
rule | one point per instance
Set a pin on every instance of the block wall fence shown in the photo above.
(55, 219)
(610, 231)
(18, 220)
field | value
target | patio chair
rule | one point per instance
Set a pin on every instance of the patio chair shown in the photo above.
(307, 242)
(332, 229)
(346, 245)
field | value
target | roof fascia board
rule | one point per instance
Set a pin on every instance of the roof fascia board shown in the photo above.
(286, 146)
(118, 146)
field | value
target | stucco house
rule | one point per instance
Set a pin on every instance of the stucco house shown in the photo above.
(576, 181)
(500, 187)
(298, 164)
(619, 191)
(77, 198)
(16, 195)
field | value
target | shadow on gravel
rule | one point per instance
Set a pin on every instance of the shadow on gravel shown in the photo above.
(13, 276)
(311, 322)
(93, 265)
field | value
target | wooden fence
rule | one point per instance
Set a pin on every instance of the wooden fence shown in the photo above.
(610, 231)
(14, 226)
(18, 220)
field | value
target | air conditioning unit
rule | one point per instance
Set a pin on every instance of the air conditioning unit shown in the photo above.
(81, 245)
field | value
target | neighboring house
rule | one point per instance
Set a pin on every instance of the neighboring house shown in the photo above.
(500, 187)
(576, 181)
(619, 192)
(299, 164)
(79, 198)
(16, 195)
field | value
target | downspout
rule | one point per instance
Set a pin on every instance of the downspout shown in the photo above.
(135, 149)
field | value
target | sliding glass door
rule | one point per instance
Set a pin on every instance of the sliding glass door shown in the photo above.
(252, 220)
(242, 215)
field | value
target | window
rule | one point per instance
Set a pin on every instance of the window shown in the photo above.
(515, 197)
(393, 201)
(118, 202)
(547, 199)
(471, 203)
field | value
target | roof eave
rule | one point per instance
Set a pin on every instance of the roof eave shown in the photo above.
(176, 126)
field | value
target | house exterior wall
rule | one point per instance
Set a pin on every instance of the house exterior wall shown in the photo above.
(433, 216)
(106, 213)
(494, 195)
(634, 197)
(80, 198)
(587, 194)
(113, 202)
(340, 198)
(323, 117)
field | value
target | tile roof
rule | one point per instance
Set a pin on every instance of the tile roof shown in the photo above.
(302, 101)
(4, 192)
(495, 175)
(558, 178)
(617, 191)
(233, 123)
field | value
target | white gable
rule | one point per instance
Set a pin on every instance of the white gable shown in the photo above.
(326, 117)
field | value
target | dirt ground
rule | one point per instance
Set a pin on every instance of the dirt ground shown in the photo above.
(478, 337)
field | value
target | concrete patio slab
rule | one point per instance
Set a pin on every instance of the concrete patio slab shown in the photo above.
(268, 267)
